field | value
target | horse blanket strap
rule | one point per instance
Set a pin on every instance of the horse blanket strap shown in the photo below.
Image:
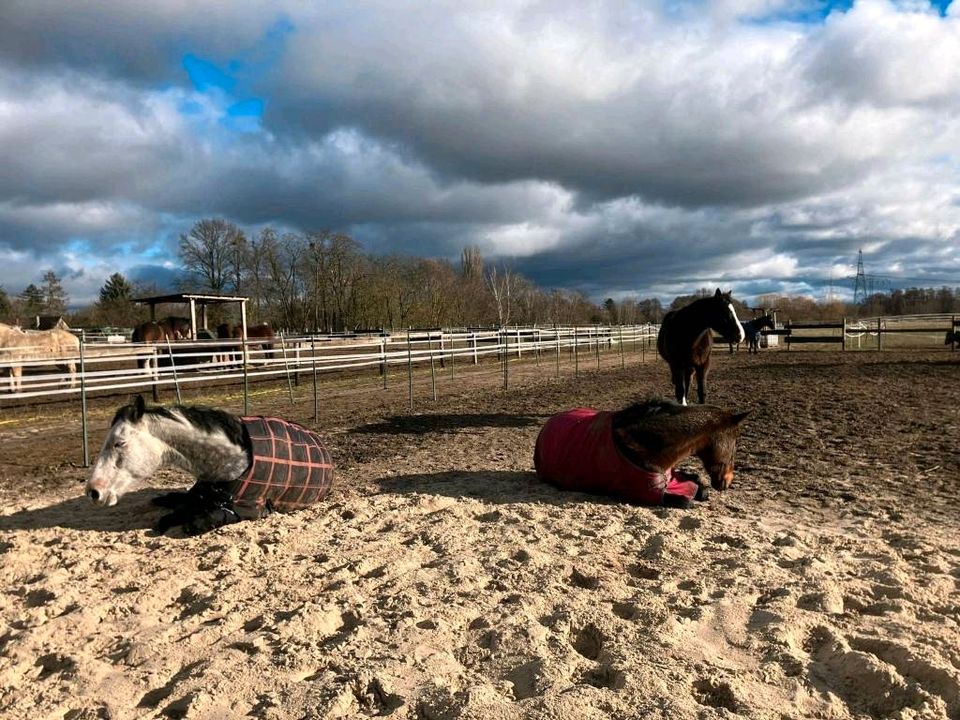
(575, 451)
(289, 468)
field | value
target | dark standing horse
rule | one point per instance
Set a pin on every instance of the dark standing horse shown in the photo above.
(685, 340)
(953, 337)
(751, 329)
(631, 454)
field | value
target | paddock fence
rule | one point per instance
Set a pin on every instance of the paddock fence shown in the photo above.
(104, 368)
(900, 332)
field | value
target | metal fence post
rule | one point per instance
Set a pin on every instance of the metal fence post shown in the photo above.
(622, 361)
(556, 332)
(409, 371)
(286, 365)
(576, 353)
(506, 359)
(433, 376)
(879, 335)
(244, 354)
(173, 368)
(83, 401)
(598, 346)
(316, 398)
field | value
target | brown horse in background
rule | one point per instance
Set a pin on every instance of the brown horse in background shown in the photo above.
(686, 338)
(171, 328)
(261, 331)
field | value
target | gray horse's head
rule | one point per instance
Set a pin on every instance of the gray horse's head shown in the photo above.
(130, 455)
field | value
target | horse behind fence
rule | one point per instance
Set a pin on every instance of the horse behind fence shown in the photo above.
(22, 348)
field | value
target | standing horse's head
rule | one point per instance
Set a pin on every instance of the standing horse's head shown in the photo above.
(724, 317)
(130, 455)
(718, 455)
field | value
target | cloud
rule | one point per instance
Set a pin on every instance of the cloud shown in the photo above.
(607, 147)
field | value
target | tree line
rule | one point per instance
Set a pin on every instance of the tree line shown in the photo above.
(324, 282)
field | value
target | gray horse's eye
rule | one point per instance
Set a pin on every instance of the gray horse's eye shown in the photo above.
(119, 443)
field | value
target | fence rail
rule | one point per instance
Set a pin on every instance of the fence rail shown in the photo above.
(939, 327)
(114, 367)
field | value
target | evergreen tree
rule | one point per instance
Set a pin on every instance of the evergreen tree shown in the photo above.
(32, 298)
(54, 296)
(4, 304)
(115, 289)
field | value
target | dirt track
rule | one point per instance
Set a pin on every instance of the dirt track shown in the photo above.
(441, 580)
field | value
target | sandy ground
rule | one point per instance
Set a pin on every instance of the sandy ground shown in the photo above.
(441, 580)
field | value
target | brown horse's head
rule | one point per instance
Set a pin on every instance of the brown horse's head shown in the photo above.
(660, 433)
(719, 452)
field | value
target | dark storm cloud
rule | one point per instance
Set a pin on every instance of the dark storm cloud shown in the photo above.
(609, 148)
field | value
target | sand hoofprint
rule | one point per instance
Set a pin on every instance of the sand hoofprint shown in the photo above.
(441, 580)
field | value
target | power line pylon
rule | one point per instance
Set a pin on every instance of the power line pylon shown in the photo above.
(860, 281)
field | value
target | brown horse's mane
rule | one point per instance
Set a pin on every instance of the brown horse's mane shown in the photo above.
(662, 431)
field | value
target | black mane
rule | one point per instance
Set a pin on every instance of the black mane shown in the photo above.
(209, 420)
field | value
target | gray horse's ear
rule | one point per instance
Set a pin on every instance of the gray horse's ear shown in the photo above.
(139, 407)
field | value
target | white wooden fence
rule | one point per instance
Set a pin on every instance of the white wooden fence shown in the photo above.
(110, 367)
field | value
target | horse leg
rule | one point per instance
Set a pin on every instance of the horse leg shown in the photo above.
(679, 386)
(72, 367)
(701, 384)
(204, 507)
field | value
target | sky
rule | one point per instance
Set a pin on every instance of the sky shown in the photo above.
(618, 148)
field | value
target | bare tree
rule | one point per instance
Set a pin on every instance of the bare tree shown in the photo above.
(211, 253)
(502, 284)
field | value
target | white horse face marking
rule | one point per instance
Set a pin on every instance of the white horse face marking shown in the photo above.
(736, 321)
(130, 455)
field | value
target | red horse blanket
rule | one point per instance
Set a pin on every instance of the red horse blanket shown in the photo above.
(290, 468)
(575, 451)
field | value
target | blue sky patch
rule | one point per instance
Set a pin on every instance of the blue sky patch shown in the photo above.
(206, 76)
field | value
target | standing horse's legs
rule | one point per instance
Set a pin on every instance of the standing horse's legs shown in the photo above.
(701, 384)
(681, 384)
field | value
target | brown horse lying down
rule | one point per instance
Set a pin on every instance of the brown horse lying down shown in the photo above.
(631, 454)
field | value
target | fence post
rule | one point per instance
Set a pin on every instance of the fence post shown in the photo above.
(879, 335)
(246, 376)
(83, 400)
(453, 356)
(556, 332)
(286, 365)
(622, 361)
(953, 331)
(576, 353)
(409, 371)
(173, 367)
(506, 359)
(843, 336)
(383, 361)
(473, 342)
(316, 399)
(156, 373)
(787, 336)
(433, 376)
(598, 346)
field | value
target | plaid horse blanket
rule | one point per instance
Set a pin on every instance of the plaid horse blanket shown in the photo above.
(289, 469)
(575, 451)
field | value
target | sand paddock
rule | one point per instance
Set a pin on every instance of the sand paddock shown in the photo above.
(441, 580)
